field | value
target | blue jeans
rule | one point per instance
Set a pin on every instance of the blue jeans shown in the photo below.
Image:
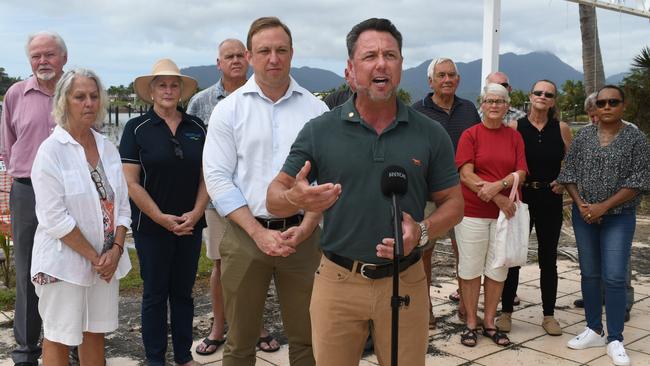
(168, 265)
(604, 252)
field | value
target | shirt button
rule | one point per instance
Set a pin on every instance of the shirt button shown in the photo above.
(351, 114)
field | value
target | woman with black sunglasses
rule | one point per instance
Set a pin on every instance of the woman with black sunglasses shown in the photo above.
(161, 155)
(606, 170)
(546, 140)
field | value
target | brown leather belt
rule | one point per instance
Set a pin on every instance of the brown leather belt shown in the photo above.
(374, 271)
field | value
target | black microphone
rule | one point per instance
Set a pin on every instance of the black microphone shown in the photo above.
(394, 181)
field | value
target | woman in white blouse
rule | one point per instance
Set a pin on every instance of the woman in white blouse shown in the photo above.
(83, 213)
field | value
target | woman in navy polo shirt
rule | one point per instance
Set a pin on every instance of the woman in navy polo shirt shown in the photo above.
(161, 155)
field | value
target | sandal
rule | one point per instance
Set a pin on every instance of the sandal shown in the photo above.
(463, 318)
(268, 339)
(209, 343)
(455, 296)
(469, 337)
(497, 337)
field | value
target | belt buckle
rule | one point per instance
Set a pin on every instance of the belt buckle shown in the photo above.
(535, 185)
(363, 267)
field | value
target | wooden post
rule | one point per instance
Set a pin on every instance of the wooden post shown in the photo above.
(109, 115)
(117, 118)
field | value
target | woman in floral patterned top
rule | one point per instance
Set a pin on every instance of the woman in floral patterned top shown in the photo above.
(607, 169)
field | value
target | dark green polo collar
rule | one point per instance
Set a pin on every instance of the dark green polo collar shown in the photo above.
(349, 113)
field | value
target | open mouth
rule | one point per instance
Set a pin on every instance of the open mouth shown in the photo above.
(381, 81)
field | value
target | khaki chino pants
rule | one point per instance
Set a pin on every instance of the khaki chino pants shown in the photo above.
(245, 274)
(342, 303)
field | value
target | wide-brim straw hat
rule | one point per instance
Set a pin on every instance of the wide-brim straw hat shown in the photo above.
(164, 67)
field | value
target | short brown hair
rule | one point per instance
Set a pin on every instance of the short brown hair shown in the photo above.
(262, 23)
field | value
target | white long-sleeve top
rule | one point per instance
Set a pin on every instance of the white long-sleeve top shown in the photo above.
(66, 197)
(248, 141)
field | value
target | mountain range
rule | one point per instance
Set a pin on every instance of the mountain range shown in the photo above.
(523, 70)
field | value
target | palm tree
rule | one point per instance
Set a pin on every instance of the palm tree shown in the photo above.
(592, 61)
(642, 60)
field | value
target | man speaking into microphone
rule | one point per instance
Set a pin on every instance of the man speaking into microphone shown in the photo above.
(345, 151)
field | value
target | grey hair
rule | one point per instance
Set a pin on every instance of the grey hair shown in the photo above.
(63, 89)
(54, 35)
(495, 89)
(590, 101)
(438, 61)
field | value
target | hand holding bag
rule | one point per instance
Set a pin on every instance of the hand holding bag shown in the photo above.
(511, 243)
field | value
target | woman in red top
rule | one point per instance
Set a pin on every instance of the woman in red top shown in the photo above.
(487, 155)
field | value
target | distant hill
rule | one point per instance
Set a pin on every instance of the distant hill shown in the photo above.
(312, 79)
(523, 70)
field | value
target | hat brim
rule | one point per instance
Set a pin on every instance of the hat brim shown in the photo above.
(143, 91)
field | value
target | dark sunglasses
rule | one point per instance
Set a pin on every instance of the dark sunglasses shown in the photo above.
(601, 103)
(178, 151)
(539, 93)
(97, 179)
(505, 85)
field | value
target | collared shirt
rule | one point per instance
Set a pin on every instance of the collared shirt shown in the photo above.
(512, 114)
(248, 140)
(26, 121)
(66, 197)
(343, 148)
(600, 171)
(170, 165)
(461, 116)
(202, 103)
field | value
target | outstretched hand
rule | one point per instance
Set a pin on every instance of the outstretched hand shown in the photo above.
(312, 198)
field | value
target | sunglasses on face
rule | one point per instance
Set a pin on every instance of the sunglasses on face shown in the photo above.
(601, 103)
(97, 179)
(505, 85)
(178, 151)
(539, 93)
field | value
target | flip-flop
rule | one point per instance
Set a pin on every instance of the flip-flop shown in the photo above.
(268, 339)
(210, 342)
(455, 296)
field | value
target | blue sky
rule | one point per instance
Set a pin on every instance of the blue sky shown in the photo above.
(121, 39)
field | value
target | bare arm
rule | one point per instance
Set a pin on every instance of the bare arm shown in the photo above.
(297, 234)
(475, 184)
(192, 217)
(77, 242)
(449, 211)
(144, 201)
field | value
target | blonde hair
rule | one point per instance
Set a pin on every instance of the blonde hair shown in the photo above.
(63, 88)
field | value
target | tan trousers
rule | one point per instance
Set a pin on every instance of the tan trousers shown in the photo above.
(342, 303)
(245, 274)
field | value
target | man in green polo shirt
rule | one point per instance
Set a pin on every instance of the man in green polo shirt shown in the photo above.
(345, 151)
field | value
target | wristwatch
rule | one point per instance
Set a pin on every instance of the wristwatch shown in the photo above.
(424, 234)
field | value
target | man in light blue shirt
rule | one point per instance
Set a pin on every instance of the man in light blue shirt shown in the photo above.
(249, 138)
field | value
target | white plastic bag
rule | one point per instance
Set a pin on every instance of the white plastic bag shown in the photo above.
(511, 243)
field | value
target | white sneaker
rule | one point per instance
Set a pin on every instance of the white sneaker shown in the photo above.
(616, 351)
(587, 339)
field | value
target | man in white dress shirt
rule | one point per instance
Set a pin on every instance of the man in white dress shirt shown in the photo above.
(249, 138)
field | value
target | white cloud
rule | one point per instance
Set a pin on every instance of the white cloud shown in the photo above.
(121, 39)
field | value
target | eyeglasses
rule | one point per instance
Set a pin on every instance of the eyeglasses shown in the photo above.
(498, 102)
(97, 179)
(539, 93)
(505, 85)
(601, 103)
(178, 151)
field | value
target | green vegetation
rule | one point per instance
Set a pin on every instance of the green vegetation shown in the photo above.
(637, 91)
(7, 298)
(5, 82)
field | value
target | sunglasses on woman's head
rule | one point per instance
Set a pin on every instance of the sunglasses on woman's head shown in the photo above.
(539, 93)
(601, 103)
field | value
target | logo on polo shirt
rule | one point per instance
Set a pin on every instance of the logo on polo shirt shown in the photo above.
(416, 162)
(193, 136)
